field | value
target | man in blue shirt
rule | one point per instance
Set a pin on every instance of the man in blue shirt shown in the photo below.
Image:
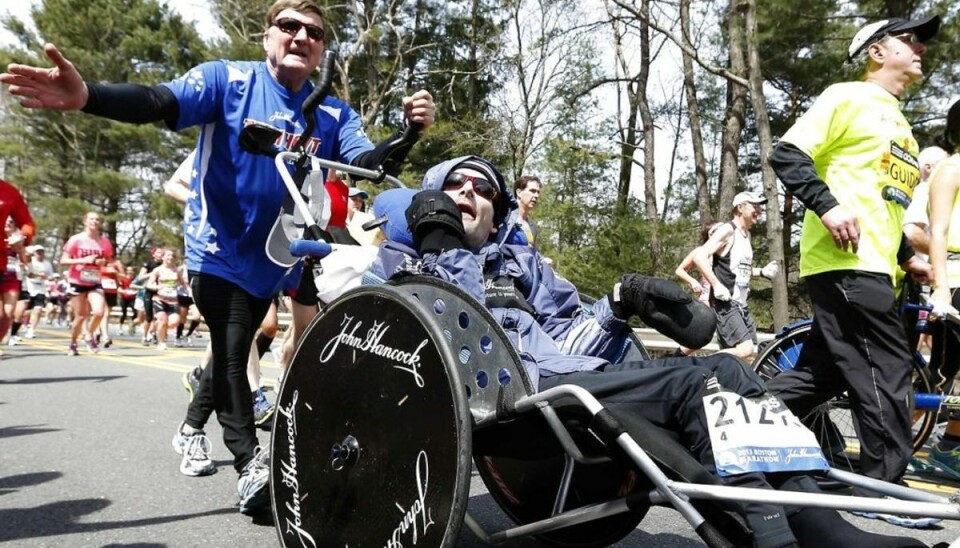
(235, 257)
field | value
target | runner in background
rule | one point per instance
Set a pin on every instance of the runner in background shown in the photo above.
(165, 281)
(13, 207)
(85, 252)
(39, 274)
(10, 285)
(149, 326)
(128, 298)
(110, 275)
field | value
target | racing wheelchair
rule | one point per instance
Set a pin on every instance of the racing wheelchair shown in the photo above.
(396, 387)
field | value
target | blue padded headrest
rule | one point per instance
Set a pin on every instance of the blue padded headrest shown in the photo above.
(392, 205)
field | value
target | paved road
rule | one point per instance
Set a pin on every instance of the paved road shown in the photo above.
(85, 459)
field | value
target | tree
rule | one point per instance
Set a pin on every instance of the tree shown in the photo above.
(70, 163)
(780, 312)
(693, 113)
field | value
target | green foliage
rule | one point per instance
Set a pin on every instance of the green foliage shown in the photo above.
(70, 163)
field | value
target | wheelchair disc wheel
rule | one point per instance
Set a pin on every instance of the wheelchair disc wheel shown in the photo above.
(371, 437)
(833, 421)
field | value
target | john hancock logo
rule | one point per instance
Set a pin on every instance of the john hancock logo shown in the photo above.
(408, 361)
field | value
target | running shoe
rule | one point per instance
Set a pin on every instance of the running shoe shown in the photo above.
(162, 347)
(72, 351)
(947, 460)
(908, 522)
(30, 334)
(262, 408)
(178, 342)
(253, 487)
(13, 340)
(107, 342)
(195, 449)
(191, 381)
(91, 345)
(180, 440)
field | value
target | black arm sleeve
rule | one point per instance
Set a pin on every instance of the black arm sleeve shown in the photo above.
(390, 154)
(133, 103)
(799, 176)
(906, 250)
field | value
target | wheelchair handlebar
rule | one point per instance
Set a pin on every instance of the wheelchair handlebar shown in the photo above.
(309, 248)
(319, 93)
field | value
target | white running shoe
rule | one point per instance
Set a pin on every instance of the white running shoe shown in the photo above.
(196, 456)
(253, 487)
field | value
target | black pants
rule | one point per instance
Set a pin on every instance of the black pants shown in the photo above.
(669, 393)
(232, 316)
(945, 353)
(857, 344)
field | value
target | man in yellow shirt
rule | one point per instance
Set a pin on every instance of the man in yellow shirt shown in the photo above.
(851, 160)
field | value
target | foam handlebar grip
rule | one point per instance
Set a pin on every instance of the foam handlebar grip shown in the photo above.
(310, 248)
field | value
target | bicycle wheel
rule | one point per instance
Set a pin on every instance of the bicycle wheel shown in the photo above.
(832, 421)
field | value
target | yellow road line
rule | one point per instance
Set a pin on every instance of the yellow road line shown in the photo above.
(58, 338)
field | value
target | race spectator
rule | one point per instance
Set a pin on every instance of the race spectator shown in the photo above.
(527, 190)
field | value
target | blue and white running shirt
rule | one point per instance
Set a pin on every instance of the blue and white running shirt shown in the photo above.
(236, 196)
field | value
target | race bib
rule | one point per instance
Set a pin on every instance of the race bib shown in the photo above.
(90, 275)
(758, 435)
(108, 283)
(903, 175)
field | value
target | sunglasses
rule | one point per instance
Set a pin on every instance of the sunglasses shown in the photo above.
(908, 38)
(481, 186)
(292, 27)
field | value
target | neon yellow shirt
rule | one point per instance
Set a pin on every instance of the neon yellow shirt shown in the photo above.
(864, 149)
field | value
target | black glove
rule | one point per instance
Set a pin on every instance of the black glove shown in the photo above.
(435, 222)
(666, 307)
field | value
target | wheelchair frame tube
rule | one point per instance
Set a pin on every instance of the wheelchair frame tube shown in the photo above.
(640, 457)
(281, 160)
(883, 487)
(837, 502)
(566, 519)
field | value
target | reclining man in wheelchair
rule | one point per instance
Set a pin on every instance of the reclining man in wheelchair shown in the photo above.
(454, 229)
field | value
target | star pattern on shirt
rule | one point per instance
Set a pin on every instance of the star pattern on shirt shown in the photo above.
(195, 79)
(212, 248)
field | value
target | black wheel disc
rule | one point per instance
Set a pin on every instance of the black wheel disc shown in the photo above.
(371, 439)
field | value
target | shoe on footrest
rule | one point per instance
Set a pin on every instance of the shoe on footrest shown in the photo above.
(900, 520)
